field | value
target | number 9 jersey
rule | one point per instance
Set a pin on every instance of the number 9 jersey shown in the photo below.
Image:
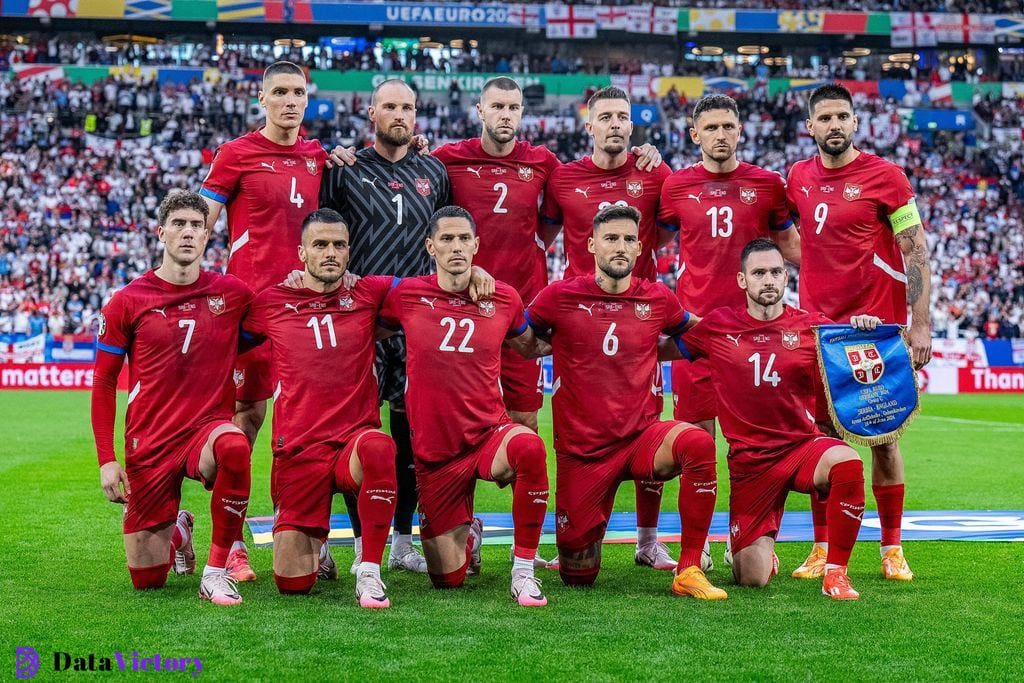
(268, 190)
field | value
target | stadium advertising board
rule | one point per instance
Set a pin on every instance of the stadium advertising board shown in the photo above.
(987, 380)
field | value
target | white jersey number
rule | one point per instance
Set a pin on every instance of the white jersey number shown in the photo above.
(820, 214)
(399, 208)
(329, 325)
(191, 325)
(610, 345)
(769, 376)
(451, 324)
(296, 198)
(502, 190)
(721, 221)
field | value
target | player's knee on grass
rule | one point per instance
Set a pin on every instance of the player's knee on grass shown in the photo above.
(752, 566)
(148, 578)
(295, 585)
(579, 563)
(449, 580)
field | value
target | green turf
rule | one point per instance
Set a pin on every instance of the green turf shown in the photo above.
(65, 587)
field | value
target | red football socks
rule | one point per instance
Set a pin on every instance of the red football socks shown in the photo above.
(230, 498)
(295, 585)
(145, 578)
(377, 494)
(845, 510)
(890, 511)
(819, 518)
(694, 450)
(648, 503)
(528, 457)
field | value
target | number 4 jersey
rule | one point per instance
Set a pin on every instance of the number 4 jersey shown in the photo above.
(765, 374)
(268, 189)
(454, 360)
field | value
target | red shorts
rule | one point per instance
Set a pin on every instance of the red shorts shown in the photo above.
(522, 382)
(693, 392)
(585, 487)
(446, 489)
(757, 498)
(302, 486)
(253, 381)
(156, 486)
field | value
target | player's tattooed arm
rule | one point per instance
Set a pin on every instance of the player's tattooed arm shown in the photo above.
(648, 157)
(581, 560)
(529, 345)
(914, 246)
(668, 349)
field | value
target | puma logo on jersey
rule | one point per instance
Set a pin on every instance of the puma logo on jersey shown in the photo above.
(368, 181)
(159, 310)
(695, 197)
(589, 309)
(387, 499)
(270, 165)
(735, 340)
(293, 307)
(474, 171)
(585, 192)
(806, 190)
(429, 302)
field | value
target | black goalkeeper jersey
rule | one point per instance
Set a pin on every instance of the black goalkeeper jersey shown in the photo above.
(387, 206)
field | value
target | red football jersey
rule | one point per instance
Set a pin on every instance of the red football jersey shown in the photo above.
(577, 191)
(453, 363)
(850, 262)
(181, 342)
(765, 375)
(503, 195)
(607, 384)
(717, 214)
(322, 350)
(267, 189)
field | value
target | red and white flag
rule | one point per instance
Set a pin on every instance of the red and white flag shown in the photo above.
(911, 29)
(612, 18)
(571, 21)
(524, 15)
(662, 21)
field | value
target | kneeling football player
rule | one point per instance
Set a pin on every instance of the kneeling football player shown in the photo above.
(765, 372)
(607, 402)
(326, 432)
(461, 431)
(178, 327)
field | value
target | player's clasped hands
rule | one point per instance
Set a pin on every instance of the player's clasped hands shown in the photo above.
(865, 322)
(114, 482)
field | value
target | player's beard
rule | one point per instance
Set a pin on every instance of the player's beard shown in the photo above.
(616, 270)
(835, 147)
(327, 277)
(394, 139)
(501, 137)
(768, 297)
(721, 154)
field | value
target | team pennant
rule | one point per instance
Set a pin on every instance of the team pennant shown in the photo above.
(869, 381)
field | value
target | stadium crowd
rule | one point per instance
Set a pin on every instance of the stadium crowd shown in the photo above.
(78, 207)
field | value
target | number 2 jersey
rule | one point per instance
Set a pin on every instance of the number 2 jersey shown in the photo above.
(268, 190)
(453, 363)
(766, 378)
(607, 385)
(850, 261)
(322, 351)
(181, 342)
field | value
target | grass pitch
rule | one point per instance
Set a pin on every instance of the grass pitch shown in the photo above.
(65, 587)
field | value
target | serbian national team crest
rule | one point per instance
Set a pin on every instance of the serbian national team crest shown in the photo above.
(643, 311)
(866, 363)
(311, 166)
(870, 384)
(486, 307)
(790, 339)
(102, 325)
(851, 192)
(423, 186)
(748, 195)
(239, 377)
(525, 174)
(346, 302)
(216, 304)
(634, 188)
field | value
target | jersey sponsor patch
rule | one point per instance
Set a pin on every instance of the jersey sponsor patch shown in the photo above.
(216, 304)
(851, 192)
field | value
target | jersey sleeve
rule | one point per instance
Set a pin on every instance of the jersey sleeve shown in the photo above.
(444, 192)
(550, 209)
(518, 322)
(221, 182)
(667, 216)
(540, 314)
(115, 333)
(389, 315)
(779, 217)
(694, 342)
(377, 287)
(790, 199)
(332, 190)
(112, 344)
(898, 201)
(254, 324)
(675, 317)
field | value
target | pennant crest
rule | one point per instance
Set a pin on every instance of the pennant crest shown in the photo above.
(867, 365)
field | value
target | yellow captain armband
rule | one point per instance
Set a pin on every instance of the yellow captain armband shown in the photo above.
(904, 217)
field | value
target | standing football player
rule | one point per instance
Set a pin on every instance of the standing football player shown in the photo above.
(604, 330)
(322, 344)
(718, 205)
(863, 251)
(461, 430)
(178, 328)
(269, 180)
(764, 368)
(611, 175)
